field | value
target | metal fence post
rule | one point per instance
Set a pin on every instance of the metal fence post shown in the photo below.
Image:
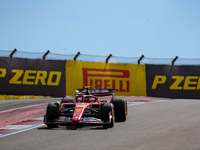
(11, 55)
(140, 59)
(44, 56)
(75, 57)
(108, 58)
(173, 61)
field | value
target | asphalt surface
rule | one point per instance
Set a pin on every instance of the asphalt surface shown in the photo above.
(160, 125)
(18, 103)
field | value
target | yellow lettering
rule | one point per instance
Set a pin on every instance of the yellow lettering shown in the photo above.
(188, 82)
(175, 85)
(198, 84)
(28, 77)
(2, 72)
(33, 77)
(41, 76)
(159, 79)
(57, 80)
(14, 79)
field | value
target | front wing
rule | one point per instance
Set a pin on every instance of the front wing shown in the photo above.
(86, 121)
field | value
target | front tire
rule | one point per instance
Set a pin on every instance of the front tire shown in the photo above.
(52, 113)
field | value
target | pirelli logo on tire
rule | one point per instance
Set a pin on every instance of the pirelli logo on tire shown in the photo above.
(127, 79)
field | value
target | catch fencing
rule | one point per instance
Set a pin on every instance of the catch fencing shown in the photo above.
(99, 58)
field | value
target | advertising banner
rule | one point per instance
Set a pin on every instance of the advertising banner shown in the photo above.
(173, 81)
(127, 79)
(32, 77)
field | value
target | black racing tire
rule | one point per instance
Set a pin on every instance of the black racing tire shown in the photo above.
(106, 109)
(53, 110)
(120, 105)
(70, 100)
(52, 113)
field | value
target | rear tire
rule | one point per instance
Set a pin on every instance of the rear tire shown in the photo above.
(108, 115)
(120, 106)
(67, 100)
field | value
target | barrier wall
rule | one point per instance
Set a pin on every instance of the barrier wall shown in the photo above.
(127, 79)
(173, 81)
(32, 77)
(58, 78)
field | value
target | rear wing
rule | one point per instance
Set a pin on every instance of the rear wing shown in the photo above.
(95, 92)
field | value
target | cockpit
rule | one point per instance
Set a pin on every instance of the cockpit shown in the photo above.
(86, 98)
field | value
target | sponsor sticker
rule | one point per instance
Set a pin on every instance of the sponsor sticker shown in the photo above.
(64, 119)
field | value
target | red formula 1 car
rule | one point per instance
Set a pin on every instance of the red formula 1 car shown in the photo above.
(87, 109)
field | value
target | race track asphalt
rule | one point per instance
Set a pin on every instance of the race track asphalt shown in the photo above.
(158, 125)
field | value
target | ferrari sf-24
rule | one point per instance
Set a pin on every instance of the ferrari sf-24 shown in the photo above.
(86, 109)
